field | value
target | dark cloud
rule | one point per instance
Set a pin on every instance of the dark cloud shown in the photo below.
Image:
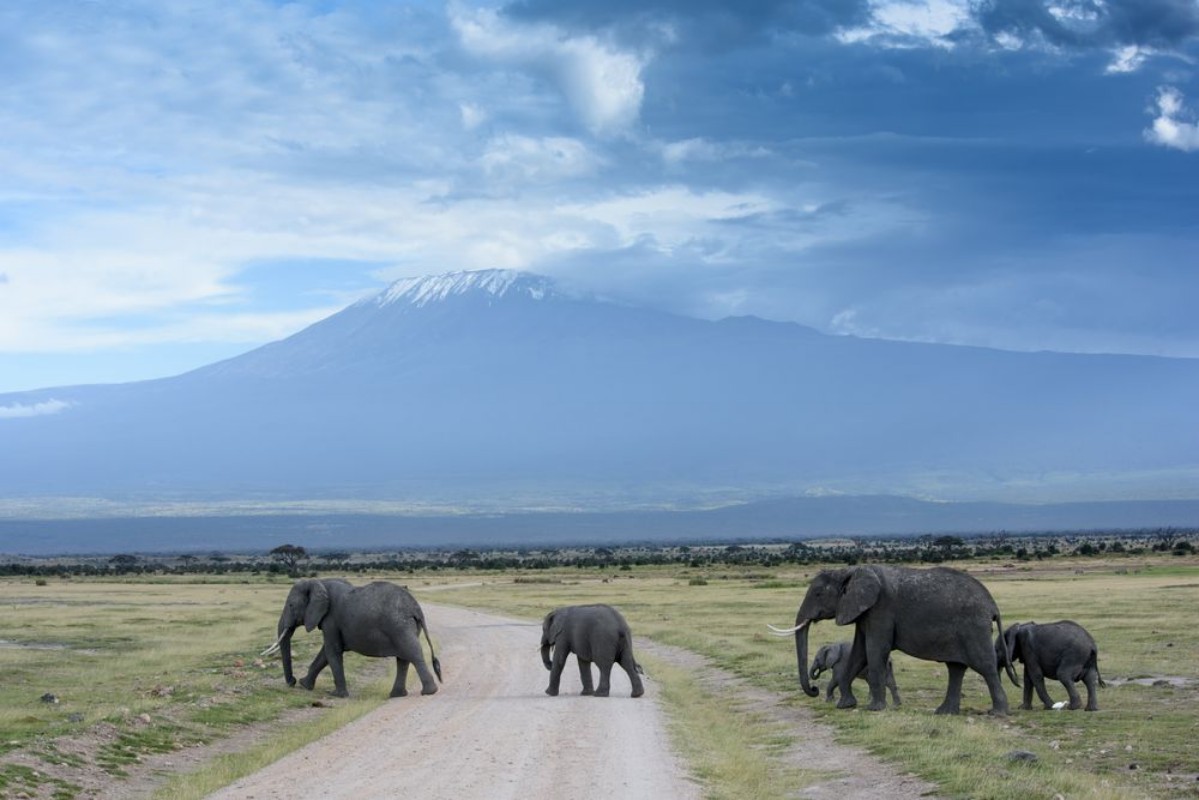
(1158, 24)
(699, 22)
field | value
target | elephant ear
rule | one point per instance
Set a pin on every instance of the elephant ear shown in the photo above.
(318, 605)
(832, 656)
(860, 593)
(1023, 645)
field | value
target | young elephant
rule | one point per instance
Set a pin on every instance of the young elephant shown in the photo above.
(836, 658)
(1059, 650)
(593, 633)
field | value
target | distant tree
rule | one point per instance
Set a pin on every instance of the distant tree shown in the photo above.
(290, 556)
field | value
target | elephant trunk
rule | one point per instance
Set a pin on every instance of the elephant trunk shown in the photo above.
(801, 656)
(285, 631)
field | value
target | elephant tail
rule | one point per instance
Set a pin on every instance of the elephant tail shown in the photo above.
(1007, 653)
(1093, 662)
(420, 623)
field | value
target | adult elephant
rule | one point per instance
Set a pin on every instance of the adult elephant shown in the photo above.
(937, 614)
(379, 619)
(594, 633)
(1063, 650)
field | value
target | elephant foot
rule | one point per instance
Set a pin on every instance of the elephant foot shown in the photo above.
(601, 692)
(638, 692)
(1092, 708)
(291, 681)
(586, 692)
(1075, 706)
(997, 712)
(428, 690)
(551, 691)
(398, 693)
(1028, 706)
(946, 708)
(847, 702)
(341, 693)
(307, 683)
(876, 705)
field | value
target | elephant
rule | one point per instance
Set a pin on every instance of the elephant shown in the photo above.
(1057, 650)
(593, 633)
(937, 614)
(836, 658)
(379, 619)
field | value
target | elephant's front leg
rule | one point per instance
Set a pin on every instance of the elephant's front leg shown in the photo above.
(876, 676)
(314, 669)
(334, 654)
(585, 676)
(1036, 677)
(1027, 693)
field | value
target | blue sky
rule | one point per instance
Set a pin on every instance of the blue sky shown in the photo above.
(181, 182)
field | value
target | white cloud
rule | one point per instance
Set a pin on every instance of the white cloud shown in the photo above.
(907, 23)
(1171, 128)
(538, 160)
(33, 410)
(601, 83)
(1127, 59)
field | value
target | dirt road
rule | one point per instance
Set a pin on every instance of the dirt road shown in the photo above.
(490, 732)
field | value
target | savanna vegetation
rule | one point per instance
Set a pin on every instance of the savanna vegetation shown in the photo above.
(108, 662)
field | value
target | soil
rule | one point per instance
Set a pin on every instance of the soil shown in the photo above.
(491, 732)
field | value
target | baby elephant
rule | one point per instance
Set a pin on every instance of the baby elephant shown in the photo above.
(1061, 650)
(593, 633)
(836, 658)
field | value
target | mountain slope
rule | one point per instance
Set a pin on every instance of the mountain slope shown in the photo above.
(494, 387)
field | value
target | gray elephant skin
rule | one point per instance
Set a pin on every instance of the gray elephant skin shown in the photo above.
(379, 619)
(937, 614)
(595, 634)
(1062, 651)
(835, 657)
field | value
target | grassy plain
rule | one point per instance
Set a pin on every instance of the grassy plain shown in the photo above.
(154, 665)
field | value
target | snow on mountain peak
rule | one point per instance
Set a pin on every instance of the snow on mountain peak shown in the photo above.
(422, 291)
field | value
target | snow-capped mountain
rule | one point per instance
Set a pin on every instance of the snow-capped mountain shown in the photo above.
(494, 387)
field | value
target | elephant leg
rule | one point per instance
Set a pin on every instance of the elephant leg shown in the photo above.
(314, 669)
(409, 651)
(1075, 700)
(892, 685)
(856, 663)
(990, 673)
(560, 654)
(585, 677)
(428, 685)
(876, 676)
(400, 687)
(952, 704)
(1037, 679)
(828, 692)
(339, 672)
(1027, 704)
(629, 664)
(605, 683)
(1091, 679)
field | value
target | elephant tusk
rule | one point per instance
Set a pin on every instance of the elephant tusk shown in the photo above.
(785, 631)
(273, 648)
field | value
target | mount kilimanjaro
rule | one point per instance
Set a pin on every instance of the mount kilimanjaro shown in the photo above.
(495, 391)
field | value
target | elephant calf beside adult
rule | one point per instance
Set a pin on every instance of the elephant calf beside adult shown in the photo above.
(1063, 650)
(835, 657)
(379, 619)
(594, 633)
(938, 614)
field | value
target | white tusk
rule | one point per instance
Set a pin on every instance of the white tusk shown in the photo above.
(784, 631)
(273, 648)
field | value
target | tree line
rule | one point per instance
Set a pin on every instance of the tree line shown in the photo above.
(295, 560)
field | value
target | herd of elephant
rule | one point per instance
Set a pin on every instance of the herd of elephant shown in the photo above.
(937, 614)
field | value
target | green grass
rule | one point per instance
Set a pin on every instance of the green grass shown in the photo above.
(182, 652)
